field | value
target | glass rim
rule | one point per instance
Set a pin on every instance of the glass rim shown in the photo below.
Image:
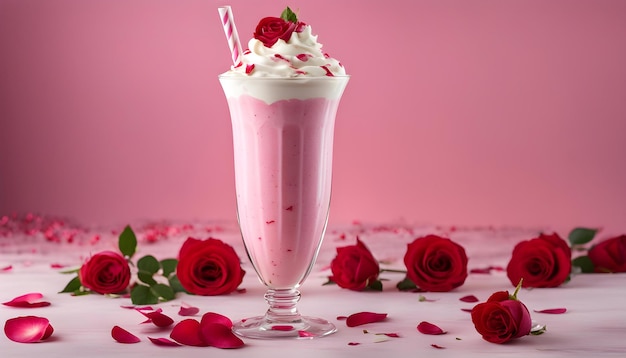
(295, 78)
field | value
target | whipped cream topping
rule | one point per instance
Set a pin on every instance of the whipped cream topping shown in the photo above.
(301, 56)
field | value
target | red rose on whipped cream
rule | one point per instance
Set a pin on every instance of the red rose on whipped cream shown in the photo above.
(271, 29)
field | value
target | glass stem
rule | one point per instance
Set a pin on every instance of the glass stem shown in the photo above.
(282, 306)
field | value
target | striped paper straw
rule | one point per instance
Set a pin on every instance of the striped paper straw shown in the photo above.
(228, 22)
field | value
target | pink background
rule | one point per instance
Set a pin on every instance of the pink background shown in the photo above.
(458, 112)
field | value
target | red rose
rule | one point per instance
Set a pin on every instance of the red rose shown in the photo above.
(354, 267)
(270, 29)
(544, 261)
(609, 255)
(105, 272)
(208, 267)
(436, 264)
(501, 318)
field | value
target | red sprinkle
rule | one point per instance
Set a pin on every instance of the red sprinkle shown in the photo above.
(328, 73)
(249, 69)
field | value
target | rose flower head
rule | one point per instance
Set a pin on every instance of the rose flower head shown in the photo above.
(609, 255)
(502, 318)
(544, 261)
(271, 29)
(208, 267)
(105, 272)
(354, 267)
(435, 263)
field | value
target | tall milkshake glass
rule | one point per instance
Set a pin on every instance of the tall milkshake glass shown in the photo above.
(283, 144)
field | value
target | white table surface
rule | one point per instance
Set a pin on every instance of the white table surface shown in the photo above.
(594, 325)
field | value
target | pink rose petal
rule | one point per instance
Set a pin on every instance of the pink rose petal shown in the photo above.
(123, 336)
(6, 268)
(27, 301)
(466, 310)
(469, 298)
(163, 342)
(219, 336)
(28, 329)
(361, 318)
(552, 310)
(392, 335)
(353, 343)
(429, 328)
(187, 310)
(212, 317)
(342, 318)
(187, 332)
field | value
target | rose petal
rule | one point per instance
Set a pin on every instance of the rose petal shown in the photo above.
(187, 332)
(429, 328)
(57, 265)
(28, 329)
(158, 318)
(353, 343)
(392, 335)
(6, 268)
(552, 310)
(27, 301)
(212, 317)
(123, 336)
(138, 308)
(469, 298)
(437, 346)
(163, 342)
(466, 310)
(342, 318)
(186, 310)
(361, 318)
(219, 336)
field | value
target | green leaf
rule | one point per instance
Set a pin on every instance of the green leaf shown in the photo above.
(146, 277)
(406, 285)
(289, 15)
(72, 286)
(163, 291)
(142, 295)
(375, 285)
(169, 266)
(175, 284)
(128, 242)
(149, 263)
(581, 235)
(584, 263)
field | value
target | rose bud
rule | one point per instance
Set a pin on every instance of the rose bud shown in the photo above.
(354, 267)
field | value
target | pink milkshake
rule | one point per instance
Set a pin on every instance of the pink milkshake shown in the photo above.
(283, 166)
(283, 97)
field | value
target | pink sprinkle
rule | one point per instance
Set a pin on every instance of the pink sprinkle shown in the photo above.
(552, 311)
(328, 73)
(249, 69)
(303, 57)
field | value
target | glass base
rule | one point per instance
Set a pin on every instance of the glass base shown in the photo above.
(262, 328)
